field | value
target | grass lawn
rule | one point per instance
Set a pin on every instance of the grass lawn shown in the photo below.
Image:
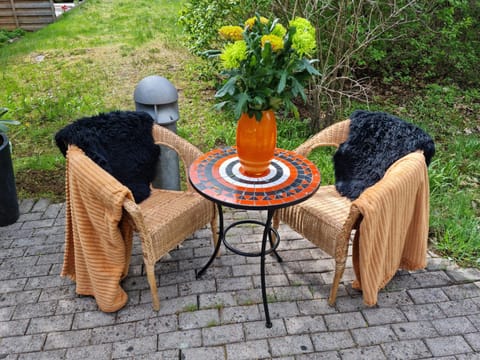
(91, 59)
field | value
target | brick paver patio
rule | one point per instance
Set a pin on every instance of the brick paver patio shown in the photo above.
(426, 314)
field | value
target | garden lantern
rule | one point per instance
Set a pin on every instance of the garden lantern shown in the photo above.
(158, 97)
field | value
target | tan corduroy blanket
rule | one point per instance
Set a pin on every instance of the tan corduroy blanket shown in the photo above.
(98, 243)
(394, 229)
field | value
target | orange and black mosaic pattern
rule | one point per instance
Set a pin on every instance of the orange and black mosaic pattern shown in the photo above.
(290, 179)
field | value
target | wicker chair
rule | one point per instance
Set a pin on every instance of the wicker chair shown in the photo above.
(167, 217)
(327, 218)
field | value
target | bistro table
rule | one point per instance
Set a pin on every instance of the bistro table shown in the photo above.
(290, 179)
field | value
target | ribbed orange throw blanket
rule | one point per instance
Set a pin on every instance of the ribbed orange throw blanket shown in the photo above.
(98, 243)
(394, 229)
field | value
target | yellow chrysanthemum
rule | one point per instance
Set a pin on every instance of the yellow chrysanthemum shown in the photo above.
(231, 32)
(303, 41)
(250, 22)
(279, 30)
(233, 54)
(275, 41)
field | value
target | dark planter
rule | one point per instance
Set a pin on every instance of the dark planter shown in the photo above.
(9, 211)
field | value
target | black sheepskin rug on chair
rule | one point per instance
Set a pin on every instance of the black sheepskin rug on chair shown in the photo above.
(120, 142)
(376, 140)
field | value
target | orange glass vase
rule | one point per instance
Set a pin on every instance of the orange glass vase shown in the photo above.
(256, 141)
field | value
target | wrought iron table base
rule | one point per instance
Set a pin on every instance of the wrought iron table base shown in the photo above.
(267, 234)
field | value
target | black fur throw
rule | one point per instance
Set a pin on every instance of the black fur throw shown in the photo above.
(121, 142)
(376, 140)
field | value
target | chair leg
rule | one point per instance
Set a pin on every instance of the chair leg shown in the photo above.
(339, 269)
(153, 285)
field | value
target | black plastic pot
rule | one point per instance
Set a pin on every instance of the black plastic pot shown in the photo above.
(9, 211)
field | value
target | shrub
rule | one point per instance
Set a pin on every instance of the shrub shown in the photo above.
(201, 19)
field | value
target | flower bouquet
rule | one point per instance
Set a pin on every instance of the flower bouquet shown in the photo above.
(266, 65)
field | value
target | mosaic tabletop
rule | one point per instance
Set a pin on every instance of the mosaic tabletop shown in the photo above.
(290, 179)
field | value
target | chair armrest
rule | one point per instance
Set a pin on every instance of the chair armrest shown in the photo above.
(333, 135)
(185, 150)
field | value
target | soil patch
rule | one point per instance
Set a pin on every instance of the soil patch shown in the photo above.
(36, 184)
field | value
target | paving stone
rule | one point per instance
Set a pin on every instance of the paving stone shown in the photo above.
(432, 278)
(373, 335)
(112, 333)
(460, 274)
(473, 340)
(327, 355)
(462, 291)
(448, 345)
(13, 328)
(156, 325)
(407, 349)
(133, 347)
(217, 300)
(257, 330)
(19, 297)
(180, 339)
(365, 353)
(292, 293)
(224, 334)
(68, 339)
(305, 324)
(475, 319)
(422, 312)
(210, 353)
(380, 316)
(291, 345)
(197, 287)
(26, 205)
(248, 350)
(97, 352)
(345, 321)
(238, 314)
(50, 324)
(232, 284)
(315, 307)
(44, 355)
(12, 285)
(394, 298)
(453, 326)
(38, 223)
(414, 330)
(459, 307)
(6, 313)
(76, 304)
(431, 295)
(41, 309)
(52, 211)
(41, 205)
(279, 280)
(280, 310)
(92, 319)
(198, 319)
(163, 355)
(332, 340)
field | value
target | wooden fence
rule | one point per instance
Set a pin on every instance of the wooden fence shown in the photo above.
(27, 15)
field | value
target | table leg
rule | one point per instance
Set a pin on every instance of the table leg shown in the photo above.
(266, 234)
(219, 242)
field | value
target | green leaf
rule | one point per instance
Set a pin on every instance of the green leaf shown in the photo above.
(282, 82)
(242, 100)
(227, 88)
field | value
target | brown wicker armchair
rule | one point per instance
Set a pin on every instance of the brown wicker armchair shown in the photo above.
(326, 219)
(167, 217)
(101, 217)
(385, 238)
